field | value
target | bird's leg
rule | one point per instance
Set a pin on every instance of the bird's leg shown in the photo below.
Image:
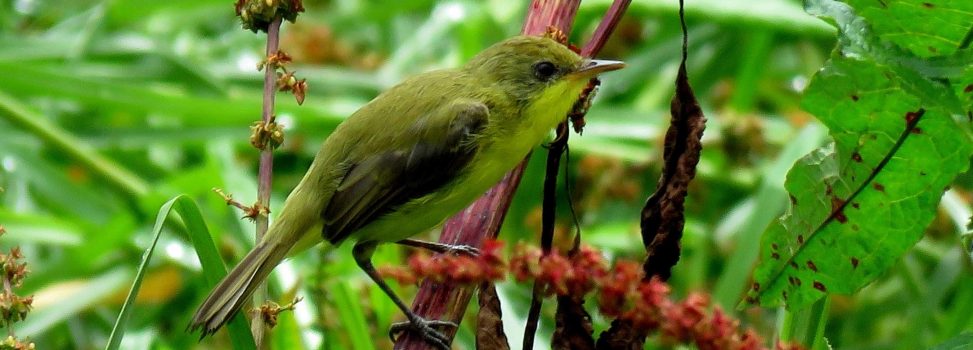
(441, 248)
(363, 256)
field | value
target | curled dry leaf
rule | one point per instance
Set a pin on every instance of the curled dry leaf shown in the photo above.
(572, 327)
(662, 216)
(489, 322)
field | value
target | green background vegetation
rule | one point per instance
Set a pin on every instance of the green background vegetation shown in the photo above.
(110, 108)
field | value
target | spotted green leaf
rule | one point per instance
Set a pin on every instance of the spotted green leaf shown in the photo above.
(927, 28)
(858, 204)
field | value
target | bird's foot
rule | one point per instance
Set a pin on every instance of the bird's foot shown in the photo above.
(463, 249)
(441, 248)
(425, 329)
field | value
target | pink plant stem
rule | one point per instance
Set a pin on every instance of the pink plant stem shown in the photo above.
(266, 171)
(479, 221)
(550, 13)
(605, 28)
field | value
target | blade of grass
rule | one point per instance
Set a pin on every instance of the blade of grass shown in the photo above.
(959, 315)
(72, 297)
(52, 182)
(60, 139)
(806, 326)
(778, 15)
(147, 98)
(352, 315)
(756, 54)
(118, 331)
(213, 269)
(33, 228)
(817, 321)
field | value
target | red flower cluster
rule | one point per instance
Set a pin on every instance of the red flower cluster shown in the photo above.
(621, 292)
(688, 321)
(461, 268)
(647, 305)
(560, 275)
(13, 308)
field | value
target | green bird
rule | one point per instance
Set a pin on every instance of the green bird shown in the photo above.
(415, 155)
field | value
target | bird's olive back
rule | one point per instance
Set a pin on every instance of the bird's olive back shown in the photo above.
(524, 65)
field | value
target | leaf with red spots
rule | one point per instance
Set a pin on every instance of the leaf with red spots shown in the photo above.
(862, 201)
(925, 28)
(932, 42)
(963, 85)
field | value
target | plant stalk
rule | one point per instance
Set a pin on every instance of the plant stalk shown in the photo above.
(265, 175)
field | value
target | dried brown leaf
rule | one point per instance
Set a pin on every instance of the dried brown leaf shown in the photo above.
(489, 321)
(662, 217)
(621, 336)
(572, 328)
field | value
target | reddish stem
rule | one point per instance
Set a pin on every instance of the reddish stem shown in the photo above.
(479, 221)
(550, 13)
(266, 170)
(605, 28)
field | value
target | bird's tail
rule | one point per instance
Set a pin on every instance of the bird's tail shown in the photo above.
(295, 229)
(236, 288)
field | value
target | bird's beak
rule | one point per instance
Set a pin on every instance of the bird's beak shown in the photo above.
(590, 68)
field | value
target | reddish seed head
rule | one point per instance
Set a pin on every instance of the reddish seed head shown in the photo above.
(622, 291)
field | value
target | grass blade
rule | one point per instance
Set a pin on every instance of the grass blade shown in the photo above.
(71, 298)
(213, 269)
(25, 117)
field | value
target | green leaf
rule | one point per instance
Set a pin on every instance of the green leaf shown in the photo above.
(213, 269)
(857, 40)
(963, 87)
(927, 28)
(859, 204)
(962, 341)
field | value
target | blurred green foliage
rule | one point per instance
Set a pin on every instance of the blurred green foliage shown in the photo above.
(110, 108)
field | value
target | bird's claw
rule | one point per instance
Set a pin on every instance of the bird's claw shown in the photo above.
(425, 329)
(464, 249)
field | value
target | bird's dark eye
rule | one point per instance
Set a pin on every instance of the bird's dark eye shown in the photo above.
(544, 70)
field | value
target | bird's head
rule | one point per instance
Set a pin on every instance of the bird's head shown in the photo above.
(533, 69)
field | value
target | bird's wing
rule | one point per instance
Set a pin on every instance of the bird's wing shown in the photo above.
(377, 184)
